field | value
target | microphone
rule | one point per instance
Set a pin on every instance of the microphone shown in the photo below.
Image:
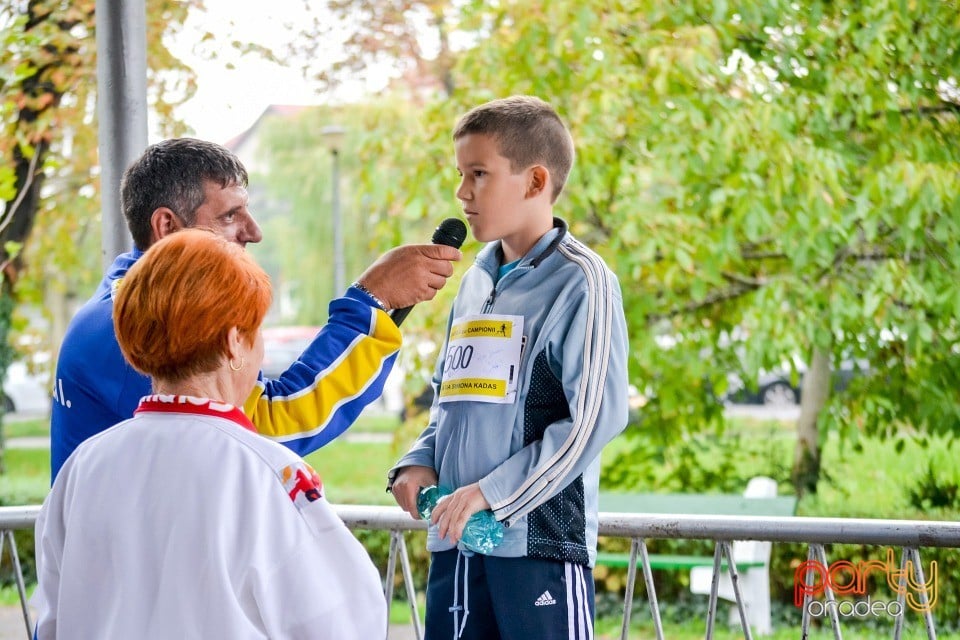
(451, 232)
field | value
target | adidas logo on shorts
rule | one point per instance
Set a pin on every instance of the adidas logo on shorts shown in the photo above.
(544, 600)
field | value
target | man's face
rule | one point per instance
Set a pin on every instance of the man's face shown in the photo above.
(224, 211)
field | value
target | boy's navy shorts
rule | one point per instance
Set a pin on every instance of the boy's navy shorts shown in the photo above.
(477, 597)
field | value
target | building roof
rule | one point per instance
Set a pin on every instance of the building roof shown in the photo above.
(279, 110)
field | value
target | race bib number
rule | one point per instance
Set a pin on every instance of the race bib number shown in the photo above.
(483, 359)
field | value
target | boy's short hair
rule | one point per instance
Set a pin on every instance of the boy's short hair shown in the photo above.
(528, 131)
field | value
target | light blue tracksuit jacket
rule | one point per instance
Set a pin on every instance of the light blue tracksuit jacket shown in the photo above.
(537, 459)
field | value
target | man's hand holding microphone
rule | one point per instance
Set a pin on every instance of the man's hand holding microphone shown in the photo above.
(409, 274)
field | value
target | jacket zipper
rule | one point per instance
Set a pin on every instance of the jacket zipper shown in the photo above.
(488, 303)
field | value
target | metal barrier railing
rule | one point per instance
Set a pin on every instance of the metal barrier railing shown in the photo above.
(908, 535)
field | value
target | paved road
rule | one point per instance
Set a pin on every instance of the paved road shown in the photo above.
(788, 413)
(12, 626)
(28, 443)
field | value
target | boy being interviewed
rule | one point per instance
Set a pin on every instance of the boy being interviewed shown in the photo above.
(530, 385)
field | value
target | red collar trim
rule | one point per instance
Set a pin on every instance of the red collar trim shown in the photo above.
(158, 403)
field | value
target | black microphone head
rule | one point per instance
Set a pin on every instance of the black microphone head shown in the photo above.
(451, 232)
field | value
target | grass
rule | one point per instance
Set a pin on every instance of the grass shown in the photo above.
(376, 423)
(30, 427)
(355, 472)
(40, 427)
(10, 597)
(27, 480)
(875, 481)
(400, 610)
(863, 481)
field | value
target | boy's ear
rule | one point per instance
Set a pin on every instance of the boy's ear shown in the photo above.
(537, 184)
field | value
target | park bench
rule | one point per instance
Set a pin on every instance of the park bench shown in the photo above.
(751, 558)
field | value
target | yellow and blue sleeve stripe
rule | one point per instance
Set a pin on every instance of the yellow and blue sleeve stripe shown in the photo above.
(342, 371)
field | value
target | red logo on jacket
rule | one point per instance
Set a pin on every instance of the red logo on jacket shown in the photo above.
(302, 479)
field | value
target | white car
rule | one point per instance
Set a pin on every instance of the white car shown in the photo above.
(283, 345)
(25, 391)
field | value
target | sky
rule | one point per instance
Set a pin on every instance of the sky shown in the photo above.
(228, 101)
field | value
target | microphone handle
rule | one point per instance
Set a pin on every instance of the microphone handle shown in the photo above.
(398, 315)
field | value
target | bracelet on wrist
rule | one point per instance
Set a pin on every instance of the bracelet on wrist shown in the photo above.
(371, 294)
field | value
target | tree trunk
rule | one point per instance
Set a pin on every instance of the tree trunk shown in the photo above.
(806, 457)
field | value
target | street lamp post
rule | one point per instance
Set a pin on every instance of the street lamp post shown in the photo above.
(334, 136)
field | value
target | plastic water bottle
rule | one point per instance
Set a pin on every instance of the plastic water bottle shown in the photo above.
(482, 532)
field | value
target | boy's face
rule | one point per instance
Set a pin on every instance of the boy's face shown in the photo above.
(491, 194)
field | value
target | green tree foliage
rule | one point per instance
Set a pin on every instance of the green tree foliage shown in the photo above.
(291, 193)
(295, 206)
(772, 181)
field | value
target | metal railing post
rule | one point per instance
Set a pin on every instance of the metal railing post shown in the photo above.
(714, 590)
(651, 590)
(807, 597)
(628, 591)
(638, 548)
(738, 596)
(18, 576)
(922, 585)
(408, 585)
(391, 570)
(821, 554)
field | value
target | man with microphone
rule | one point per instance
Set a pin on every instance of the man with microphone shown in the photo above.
(182, 183)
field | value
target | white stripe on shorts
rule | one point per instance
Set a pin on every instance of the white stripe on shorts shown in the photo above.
(579, 622)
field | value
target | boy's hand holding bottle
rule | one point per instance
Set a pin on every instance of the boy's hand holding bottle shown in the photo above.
(406, 484)
(463, 515)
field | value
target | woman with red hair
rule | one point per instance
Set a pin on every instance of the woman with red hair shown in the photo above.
(183, 522)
